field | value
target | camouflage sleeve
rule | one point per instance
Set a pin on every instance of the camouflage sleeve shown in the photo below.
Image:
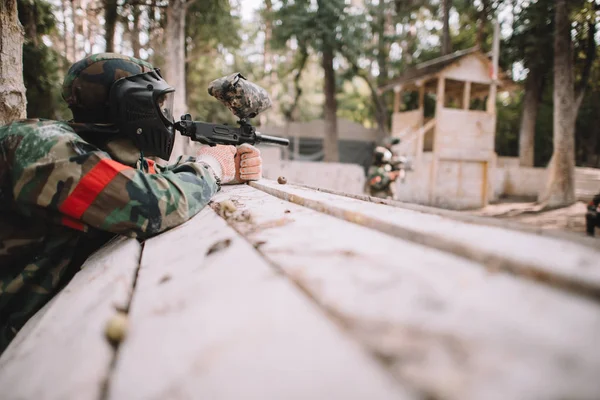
(377, 178)
(59, 171)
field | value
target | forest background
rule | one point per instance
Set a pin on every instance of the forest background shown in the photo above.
(322, 58)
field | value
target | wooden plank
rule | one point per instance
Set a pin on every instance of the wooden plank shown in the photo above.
(464, 217)
(444, 325)
(467, 96)
(61, 353)
(229, 326)
(566, 264)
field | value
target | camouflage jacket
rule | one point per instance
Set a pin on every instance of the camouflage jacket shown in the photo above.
(61, 198)
(378, 177)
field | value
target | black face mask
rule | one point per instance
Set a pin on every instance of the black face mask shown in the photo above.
(141, 107)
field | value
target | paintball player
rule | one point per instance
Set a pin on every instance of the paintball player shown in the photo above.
(592, 216)
(66, 188)
(381, 176)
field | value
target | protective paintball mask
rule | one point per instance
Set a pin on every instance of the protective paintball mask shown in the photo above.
(141, 107)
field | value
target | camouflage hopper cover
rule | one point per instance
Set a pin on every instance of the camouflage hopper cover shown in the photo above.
(244, 98)
(87, 84)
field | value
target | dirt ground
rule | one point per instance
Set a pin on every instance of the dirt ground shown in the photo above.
(570, 219)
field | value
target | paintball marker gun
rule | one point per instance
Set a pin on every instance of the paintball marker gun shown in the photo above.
(246, 100)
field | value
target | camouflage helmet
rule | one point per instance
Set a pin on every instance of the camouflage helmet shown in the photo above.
(87, 84)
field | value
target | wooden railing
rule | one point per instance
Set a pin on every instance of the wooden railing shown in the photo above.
(418, 136)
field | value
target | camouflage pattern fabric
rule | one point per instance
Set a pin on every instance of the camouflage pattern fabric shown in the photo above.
(244, 98)
(61, 198)
(378, 182)
(87, 84)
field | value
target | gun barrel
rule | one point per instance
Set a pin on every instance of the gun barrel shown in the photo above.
(272, 139)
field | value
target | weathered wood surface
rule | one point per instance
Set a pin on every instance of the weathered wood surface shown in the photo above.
(446, 326)
(62, 353)
(567, 264)
(282, 301)
(228, 325)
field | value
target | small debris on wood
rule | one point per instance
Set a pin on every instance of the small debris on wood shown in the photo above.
(281, 180)
(122, 308)
(228, 206)
(287, 211)
(116, 328)
(259, 244)
(164, 279)
(269, 224)
(220, 245)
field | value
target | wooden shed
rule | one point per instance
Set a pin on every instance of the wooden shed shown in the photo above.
(451, 144)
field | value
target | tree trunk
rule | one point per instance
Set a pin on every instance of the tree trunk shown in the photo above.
(382, 63)
(269, 69)
(73, 41)
(560, 186)
(135, 35)
(481, 22)
(12, 89)
(330, 143)
(110, 18)
(446, 42)
(175, 66)
(65, 37)
(534, 88)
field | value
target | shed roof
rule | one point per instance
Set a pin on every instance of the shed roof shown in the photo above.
(433, 67)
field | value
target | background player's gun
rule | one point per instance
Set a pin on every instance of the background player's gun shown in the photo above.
(401, 163)
(246, 100)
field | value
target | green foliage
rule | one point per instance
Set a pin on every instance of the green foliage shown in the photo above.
(507, 126)
(212, 32)
(41, 73)
(43, 80)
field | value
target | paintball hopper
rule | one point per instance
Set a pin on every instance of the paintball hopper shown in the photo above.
(244, 98)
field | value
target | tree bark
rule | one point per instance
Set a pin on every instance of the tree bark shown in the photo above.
(175, 67)
(481, 22)
(382, 63)
(534, 87)
(110, 22)
(560, 186)
(446, 42)
(591, 53)
(73, 41)
(12, 89)
(330, 143)
(135, 35)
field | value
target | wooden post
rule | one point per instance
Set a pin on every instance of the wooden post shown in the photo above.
(491, 106)
(397, 90)
(467, 96)
(441, 91)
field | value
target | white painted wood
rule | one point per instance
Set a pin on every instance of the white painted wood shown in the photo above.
(230, 326)
(333, 176)
(555, 261)
(472, 68)
(446, 326)
(61, 353)
(404, 123)
(466, 131)
(459, 184)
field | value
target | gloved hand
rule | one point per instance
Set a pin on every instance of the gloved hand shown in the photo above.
(248, 164)
(221, 159)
